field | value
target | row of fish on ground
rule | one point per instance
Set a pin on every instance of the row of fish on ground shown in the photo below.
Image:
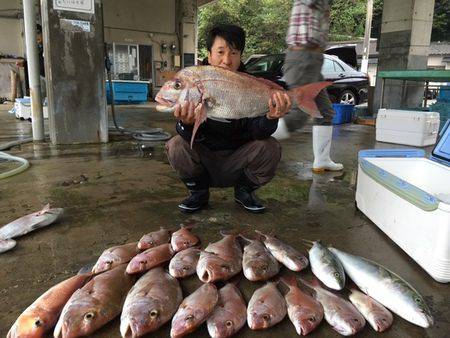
(84, 303)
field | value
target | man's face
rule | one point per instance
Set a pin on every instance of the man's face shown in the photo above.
(223, 55)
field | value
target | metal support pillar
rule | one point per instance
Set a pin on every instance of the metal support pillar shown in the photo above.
(33, 70)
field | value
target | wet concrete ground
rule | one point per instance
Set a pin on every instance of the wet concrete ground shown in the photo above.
(115, 193)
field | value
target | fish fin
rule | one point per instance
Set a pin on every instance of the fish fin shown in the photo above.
(86, 269)
(200, 117)
(308, 243)
(305, 97)
(45, 209)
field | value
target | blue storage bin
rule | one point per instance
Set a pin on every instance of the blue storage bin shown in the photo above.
(444, 94)
(343, 113)
(128, 91)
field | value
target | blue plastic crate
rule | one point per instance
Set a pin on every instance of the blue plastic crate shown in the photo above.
(444, 94)
(343, 113)
(128, 92)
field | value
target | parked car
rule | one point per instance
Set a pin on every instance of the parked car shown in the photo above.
(349, 85)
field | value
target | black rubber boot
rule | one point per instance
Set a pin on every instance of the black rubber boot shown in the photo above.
(244, 194)
(198, 194)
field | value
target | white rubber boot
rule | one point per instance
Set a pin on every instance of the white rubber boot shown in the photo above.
(282, 132)
(321, 147)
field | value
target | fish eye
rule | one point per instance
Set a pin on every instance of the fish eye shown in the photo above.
(154, 313)
(37, 322)
(418, 300)
(355, 320)
(89, 315)
(264, 268)
(229, 323)
(151, 243)
(312, 319)
(337, 275)
(266, 317)
(177, 84)
(186, 242)
(185, 267)
(189, 318)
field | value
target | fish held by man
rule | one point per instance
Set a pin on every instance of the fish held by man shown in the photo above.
(221, 93)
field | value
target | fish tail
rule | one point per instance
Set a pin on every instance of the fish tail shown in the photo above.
(305, 97)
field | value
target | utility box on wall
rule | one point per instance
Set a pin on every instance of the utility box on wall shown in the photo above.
(74, 67)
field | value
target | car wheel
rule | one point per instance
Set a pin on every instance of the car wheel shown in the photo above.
(348, 97)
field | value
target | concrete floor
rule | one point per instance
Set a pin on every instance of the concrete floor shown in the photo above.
(129, 192)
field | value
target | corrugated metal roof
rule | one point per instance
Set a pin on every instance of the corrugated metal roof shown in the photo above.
(439, 48)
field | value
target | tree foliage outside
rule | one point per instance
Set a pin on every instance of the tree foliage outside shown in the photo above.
(266, 21)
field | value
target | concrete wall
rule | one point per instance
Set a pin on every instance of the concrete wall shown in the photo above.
(153, 22)
(11, 28)
(404, 42)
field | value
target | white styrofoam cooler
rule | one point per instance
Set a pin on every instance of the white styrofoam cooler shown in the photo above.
(414, 128)
(408, 197)
(22, 108)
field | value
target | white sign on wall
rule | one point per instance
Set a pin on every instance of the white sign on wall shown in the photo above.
(83, 6)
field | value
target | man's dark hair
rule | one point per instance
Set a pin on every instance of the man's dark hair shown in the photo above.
(232, 34)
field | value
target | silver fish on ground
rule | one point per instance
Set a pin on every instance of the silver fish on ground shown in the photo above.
(41, 316)
(95, 304)
(339, 313)
(326, 266)
(194, 310)
(151, 303)
(115, 256)
(183, 238)
(7, 244)
(184, 263)
(387, 288)
(150, 258)
(25, 224)
(304, 311)
(221, 93)
(220, 260)
(230, 313)
(266, 308)
(376, 314)
(154, 238)
(284, 253)
(258, 263)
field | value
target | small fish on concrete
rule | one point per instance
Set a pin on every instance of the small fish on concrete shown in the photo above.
(28, 223)
(194, 310)
(258, 263)
(151, 303)
(184, 263)
(376, 314)
(115, 256)
(304, 311)
(41, 316)
(284, 253)
(155, 238)
(221, 93)
(150, 258)
(326, 266)
(7, 244)
(339, 313)
(387, 288)
(230, 313)
(95, 304)
(220, 260)
(183, 238)
(266, 308)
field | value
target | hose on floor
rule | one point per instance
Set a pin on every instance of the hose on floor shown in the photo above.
(148, 135)
(24, 165)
